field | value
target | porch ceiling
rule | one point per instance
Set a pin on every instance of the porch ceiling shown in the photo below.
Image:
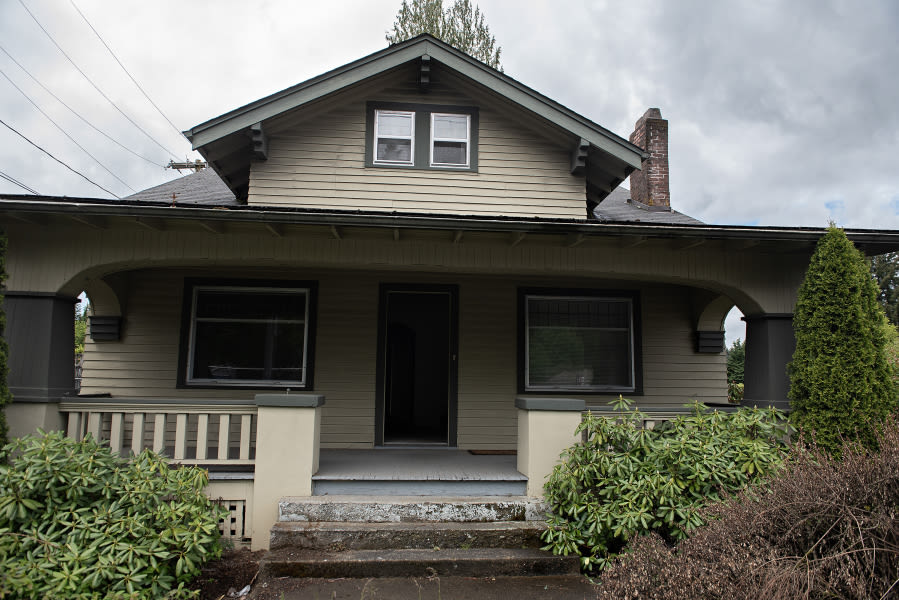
(97, 214)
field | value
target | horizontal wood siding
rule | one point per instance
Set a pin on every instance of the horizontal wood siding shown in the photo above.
(144, 363)
(319, 162)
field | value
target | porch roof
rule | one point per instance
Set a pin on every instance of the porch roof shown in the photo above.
(106, 214)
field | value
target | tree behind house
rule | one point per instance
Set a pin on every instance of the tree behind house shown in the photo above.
(461, 26)
(736, 359)
(885, 269)
(840, 381)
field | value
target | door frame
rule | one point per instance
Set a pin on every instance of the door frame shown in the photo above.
(452, 290)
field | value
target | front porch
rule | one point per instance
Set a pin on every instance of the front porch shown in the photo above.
(262, 452)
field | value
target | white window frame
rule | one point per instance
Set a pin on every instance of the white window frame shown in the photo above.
(237, 382)
(466, 141)
(411, 138)
(528, 387)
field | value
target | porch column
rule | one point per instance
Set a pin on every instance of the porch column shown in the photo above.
(40, 331)
(545, 428)
(288, 428)
(769, 348)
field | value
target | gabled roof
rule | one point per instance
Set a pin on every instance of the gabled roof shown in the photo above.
(226, 141)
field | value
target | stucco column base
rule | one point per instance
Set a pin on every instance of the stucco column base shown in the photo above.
(24, 418)
(288, 429)
(545, 428)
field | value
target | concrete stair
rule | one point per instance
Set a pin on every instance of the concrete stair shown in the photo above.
(422, 471)
(392, 536)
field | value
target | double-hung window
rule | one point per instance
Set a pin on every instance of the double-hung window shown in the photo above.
(422, 136)
(450, 140)
(578, 342)
(394, 137)
(249, 335)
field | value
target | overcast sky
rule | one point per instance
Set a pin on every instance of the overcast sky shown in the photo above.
(781, 112)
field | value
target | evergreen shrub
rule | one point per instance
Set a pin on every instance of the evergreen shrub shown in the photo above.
(623, 480)
(840, 381)
(78, 522)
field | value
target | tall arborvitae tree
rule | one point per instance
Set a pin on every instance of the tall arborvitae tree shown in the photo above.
(885, 269)
(840, 379)
(461, 26)
(5, 396)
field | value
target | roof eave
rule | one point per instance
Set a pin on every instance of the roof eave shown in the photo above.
(880, 240)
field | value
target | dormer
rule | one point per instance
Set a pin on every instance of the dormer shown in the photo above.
(419, 127)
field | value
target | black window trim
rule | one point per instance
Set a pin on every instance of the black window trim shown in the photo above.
(636, 337)
(421, 159)
(187, 306)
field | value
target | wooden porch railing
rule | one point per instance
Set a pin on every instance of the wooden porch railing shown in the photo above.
(208, 432)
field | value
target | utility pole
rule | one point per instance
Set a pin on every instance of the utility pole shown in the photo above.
(195, 165)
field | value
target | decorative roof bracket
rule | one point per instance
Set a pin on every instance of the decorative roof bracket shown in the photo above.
(424, 74)
(260, 141)
(579, 157)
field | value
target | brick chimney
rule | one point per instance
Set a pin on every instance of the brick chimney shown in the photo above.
(650, 186)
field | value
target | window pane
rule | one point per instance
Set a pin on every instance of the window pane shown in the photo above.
(395, 150)
(235, 304)
(579, 343)
(393, 124)
(450, 153)
(249, 351)
(451, 126)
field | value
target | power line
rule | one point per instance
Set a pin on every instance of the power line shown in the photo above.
(74, 112)
(83, 74)
(65, 133)
(11, 179)
(59, 161)
(159, 110)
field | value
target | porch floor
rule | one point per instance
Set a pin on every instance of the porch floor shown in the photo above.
(416, 471)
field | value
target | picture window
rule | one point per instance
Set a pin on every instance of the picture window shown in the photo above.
(578, 343)
(250, 336)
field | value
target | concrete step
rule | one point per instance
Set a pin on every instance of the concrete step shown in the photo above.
(342, 536)
(474, 562)
(387, 509)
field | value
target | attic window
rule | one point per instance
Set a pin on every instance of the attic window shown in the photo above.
(421, 136)
(395, 135)
(449, 140)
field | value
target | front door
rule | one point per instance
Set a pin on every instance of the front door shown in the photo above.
(417, 365)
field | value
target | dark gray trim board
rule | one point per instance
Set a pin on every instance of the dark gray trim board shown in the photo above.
(557, 404)
(291, 400)
(15, 294)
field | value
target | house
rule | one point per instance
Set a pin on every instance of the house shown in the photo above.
(410, 251)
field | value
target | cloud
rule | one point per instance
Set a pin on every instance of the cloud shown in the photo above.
(776, 108)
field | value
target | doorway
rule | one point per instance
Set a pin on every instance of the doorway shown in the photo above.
(417, 365)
